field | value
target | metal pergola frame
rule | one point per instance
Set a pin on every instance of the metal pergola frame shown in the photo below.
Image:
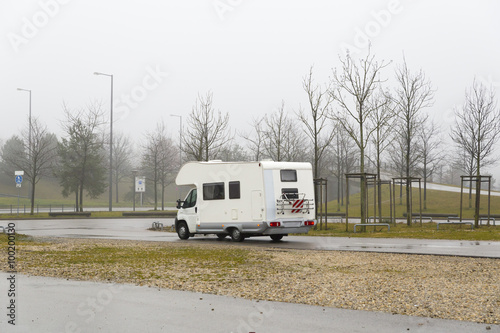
(408, 181)
(381, 182)
(364, 177)
(475, 179)
(319, 183)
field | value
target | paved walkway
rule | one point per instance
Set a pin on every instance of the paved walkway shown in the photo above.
(55, 305)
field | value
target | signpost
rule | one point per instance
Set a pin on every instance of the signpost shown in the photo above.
(140, 186)
(18, 179)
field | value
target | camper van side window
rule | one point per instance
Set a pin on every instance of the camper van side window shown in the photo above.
(234, 190)
(213, 191)
(288, 175)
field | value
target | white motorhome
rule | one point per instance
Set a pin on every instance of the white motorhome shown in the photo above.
(246, 199)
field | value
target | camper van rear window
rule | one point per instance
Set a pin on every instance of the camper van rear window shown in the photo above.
(234, 190)
(288, 175)
(213, 191)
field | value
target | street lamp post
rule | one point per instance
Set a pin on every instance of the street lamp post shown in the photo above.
(29, 137)
(180, 137)
(134, 174)
(180, 146)
(110, 144)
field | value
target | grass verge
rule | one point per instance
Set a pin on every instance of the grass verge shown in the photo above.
(431, 286)
(426, 231)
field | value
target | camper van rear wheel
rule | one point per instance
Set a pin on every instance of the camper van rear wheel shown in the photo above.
(236, 235)
(276, 237)
(182, 230)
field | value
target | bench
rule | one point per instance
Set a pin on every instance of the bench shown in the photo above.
(56, 214)
(157, 225)
(456, 220)
(372, 224)
(333, 218)
(158, 213)
(375, 218)
(481, 219)
(427, 218)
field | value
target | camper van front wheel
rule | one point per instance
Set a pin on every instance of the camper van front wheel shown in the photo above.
(182, 230)
(236, 235)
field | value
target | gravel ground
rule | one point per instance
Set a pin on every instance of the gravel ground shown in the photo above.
(418, 285)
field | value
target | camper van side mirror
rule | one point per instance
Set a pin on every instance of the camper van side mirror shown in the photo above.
(179, 203)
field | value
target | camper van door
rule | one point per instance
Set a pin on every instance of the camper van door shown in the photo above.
(190, 210)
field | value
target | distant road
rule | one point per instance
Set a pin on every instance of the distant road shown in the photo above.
(441, 187)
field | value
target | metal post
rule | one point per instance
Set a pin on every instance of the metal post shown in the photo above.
(489, 198)
(110, 144)
(461, 196)
(134, 174)
(29, 140)
(420, 193)
(347, 204)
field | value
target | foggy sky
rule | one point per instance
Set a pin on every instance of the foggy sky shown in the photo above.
(250, 54)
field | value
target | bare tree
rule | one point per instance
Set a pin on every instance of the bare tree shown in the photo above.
(343, 160)
(207, 132)
(159, 161)
(283, 141)
(315, 121)
(476, 131)
(413, 93)
(233, 152)
(121, 160)
(464, 163)
(382, 119)
(358, 81)
(430, 153)
(36, 160)
(255, 140)
(397, 156)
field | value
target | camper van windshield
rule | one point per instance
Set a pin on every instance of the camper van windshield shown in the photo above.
(190, 199)
(288, 175)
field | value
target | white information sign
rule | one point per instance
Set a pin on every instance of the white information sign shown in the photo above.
(140, 184)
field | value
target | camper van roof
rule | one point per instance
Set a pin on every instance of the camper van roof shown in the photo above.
(189, 173)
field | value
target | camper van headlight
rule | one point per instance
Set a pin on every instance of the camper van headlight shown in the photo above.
(275, 224)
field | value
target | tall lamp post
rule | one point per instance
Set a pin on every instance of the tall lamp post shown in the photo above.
(134, 175)
(180, 137)
(110, 144)
(29, 137)
(180, 145)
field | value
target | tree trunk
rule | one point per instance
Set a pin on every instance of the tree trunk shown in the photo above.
(32, 198)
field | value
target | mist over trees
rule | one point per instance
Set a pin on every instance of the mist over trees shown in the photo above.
(476, 131)
(355, 121)
(413, 93)
(82, 154)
